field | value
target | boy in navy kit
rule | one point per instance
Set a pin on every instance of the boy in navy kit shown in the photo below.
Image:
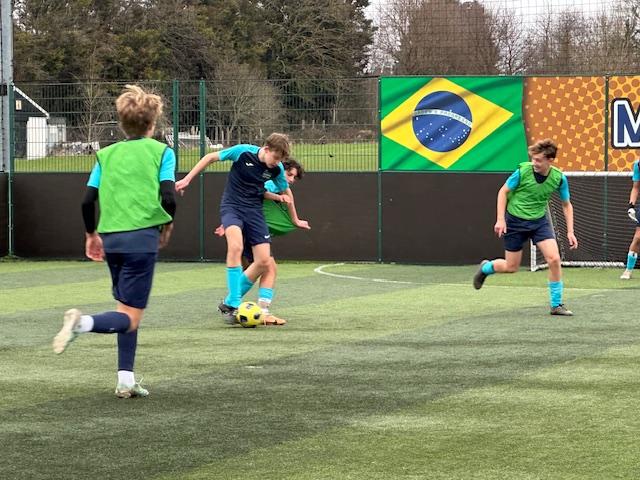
(135, 182)
(280, 222)
(241, 210)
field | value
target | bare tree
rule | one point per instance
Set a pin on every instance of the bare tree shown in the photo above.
(245, 106)
(438, 37)
(510, 38)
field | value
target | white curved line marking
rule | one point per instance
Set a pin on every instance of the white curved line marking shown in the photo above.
(321, 271)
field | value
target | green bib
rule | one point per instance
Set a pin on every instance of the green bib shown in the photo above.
(530, 199)
(129, 190)
(277, 217)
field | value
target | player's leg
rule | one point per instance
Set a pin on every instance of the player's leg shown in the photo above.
(257, 236)
(632, 256)
(265, 294)
(513, 242)
(134, 288)
(132, 275)
(549, 249)
(233, 233)
(75, 323)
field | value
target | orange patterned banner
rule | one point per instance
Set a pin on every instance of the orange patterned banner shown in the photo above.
(571, 111)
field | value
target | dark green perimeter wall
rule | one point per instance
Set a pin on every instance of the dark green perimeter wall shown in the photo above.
(394, 217)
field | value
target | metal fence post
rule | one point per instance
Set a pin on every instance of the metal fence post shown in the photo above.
(202, 106)
(175, 120)
(11, 212)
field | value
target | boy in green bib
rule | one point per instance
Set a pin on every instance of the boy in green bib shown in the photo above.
(521, 216)
(134, 180)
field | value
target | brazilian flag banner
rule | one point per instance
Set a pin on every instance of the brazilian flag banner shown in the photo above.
(471, 124)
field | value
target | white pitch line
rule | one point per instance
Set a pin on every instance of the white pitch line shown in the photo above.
(320, 270)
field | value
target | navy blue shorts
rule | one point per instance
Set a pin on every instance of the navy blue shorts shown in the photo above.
(251, 222)
(520, 231)
(131, 277)
(247, 251)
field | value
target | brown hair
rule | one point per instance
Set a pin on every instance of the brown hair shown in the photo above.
(137, 110)
(547, 147)
(278, 142)
(293, 163)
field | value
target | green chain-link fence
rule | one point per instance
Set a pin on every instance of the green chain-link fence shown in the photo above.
(57, 127)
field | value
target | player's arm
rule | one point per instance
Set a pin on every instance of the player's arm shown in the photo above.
(276, 197)
(633, 195)
(291, 206)
(166, 176)
(511, 184)
(567, 209)
(500, 226)
(93, 243)
(633, 199)
(203, 163)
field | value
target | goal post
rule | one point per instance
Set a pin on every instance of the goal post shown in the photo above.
(602, 227)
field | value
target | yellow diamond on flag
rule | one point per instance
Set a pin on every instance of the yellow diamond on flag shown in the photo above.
(443, 121)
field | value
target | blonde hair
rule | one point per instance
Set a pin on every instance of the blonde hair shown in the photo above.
(547, 147)
(138, 110)
(278, 142)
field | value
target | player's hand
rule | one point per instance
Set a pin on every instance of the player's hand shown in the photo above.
(285, 199)
(219, 231)
(632, 214)
(500, 228)
(165, 235)
(93, 248)
(302, 224)
(573, 241)
(181, 185)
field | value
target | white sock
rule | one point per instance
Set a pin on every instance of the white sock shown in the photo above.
(264, 305)
(85, 325)
(125, 377)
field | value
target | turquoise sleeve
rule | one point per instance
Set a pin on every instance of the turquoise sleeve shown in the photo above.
(513, 181)
(280, 181)
(636, 171)
(233, 153)
(94, 178)
(168, 166)
(270, 186)
(563, 189)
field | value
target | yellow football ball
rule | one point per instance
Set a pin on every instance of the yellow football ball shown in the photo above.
(249, 315)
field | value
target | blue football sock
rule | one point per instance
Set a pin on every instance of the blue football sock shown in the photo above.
(127, 343)
(265, 294)
(245, 285)
(488, 269)
(632, 257)
(110, 322)
(233, 298)
(555, 293)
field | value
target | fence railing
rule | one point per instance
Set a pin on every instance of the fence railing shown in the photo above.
(58, 127)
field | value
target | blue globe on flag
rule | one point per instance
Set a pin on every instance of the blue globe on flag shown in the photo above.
(442, 121)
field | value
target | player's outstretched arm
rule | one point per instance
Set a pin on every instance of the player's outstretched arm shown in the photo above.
(204, 162)
(291, 206)
(567, 209)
